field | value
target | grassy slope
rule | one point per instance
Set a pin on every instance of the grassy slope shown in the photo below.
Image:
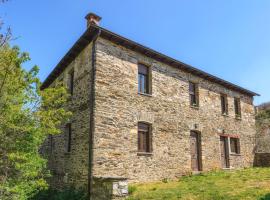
(247, 184)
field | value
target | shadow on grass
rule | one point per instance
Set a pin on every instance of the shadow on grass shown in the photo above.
(66, 194)
(266, 197)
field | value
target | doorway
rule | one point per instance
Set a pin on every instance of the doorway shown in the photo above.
(224, 152)
(195, 151)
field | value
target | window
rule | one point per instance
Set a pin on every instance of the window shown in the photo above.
(237, 107)
(143, 79)
(224, 104)
(51, 143)
(194, 94)
(235, 145)
(71, 82)
(68, 137)
(144, 137)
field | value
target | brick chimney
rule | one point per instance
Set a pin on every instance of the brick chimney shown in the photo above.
(92, 18)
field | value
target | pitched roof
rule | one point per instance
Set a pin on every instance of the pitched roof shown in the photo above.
(93, 30)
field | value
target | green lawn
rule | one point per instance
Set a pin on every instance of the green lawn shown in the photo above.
(247, 184)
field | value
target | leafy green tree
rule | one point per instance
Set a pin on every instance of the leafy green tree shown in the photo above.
(5, 36)
(263, 128)
(263, 116)
(27, 116)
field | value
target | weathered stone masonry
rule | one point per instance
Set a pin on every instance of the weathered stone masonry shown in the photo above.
(119, 108)
(71, 168)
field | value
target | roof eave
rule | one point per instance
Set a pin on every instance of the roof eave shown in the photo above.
(89, 34)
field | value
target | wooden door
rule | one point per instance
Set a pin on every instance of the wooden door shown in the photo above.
(195, 150)
(224, 152)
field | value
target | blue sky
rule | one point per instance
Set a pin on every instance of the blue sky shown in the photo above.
(229, 38)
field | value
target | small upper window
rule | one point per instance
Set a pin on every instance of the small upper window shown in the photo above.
(235, 145)
(68, 137)
(143, 79)
(71, 82)
(144, 137)
(237, 107)
(224, 104)
(194, 94)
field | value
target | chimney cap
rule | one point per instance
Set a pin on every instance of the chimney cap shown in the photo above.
(93, 16)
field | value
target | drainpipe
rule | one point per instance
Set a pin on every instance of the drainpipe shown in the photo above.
(92, 118)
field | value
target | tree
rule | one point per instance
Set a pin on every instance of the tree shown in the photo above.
(4, 36)
(27, 116)
(263, 129)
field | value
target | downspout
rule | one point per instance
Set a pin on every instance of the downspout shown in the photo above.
(92, 118)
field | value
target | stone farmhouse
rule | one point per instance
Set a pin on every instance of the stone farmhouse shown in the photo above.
(141, 116)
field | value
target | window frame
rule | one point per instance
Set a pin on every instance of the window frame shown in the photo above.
(235, 143)
(144, 79)
(71, 75)
(68, 129)
(237, 107)
(145, 139)
(224, 104)
(194, 94)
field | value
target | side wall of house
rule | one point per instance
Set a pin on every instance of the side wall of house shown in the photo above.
(71, 168)
(119, 107)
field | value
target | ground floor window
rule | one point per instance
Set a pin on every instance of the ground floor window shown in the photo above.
(144, 137)
(228, 145)
(235, 145)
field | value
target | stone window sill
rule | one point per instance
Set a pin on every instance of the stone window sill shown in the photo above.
(195, 107)
(67, 153)
(225, 115)
(145, 94)
(235, 154)
(228, 168)
(144, 154)
(238, 117)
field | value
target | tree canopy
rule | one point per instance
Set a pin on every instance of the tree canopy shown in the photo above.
(27, 116)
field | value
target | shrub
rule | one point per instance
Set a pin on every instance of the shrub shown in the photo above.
(66, 194)
(165, 180)
(131, 189)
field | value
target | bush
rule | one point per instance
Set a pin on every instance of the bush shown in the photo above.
(165, 180)
(66, 194)
(131, 189)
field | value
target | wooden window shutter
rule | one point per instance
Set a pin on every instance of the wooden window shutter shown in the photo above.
(144, 137)
(239, 107)
(224, 104)
(194, 94)
(150, 139)
(233, 145)
(68, 137)
(144, 79)
(71, 82)
(238, 146)
(197, 94)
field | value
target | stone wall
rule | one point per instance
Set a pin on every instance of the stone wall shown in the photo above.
(109, 188)
(119, 107)
(262, 159)
(71, 169)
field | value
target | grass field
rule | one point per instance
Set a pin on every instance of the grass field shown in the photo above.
(246, 184)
